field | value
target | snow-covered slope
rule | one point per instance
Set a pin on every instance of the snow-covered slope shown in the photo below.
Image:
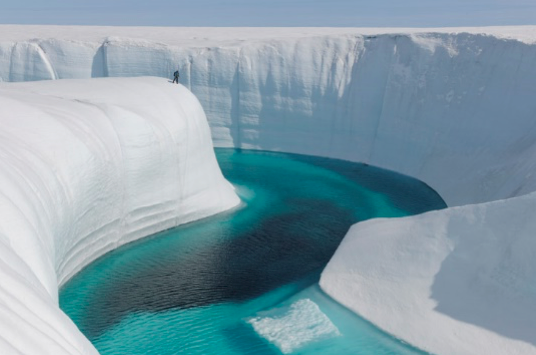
(456, 281)
(85, 166)
(456, 104)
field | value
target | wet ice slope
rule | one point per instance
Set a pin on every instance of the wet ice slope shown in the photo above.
(86, 166)
(454, 108)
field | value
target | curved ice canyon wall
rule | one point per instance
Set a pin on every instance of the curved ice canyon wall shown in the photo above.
(454, 108)
(88, 165)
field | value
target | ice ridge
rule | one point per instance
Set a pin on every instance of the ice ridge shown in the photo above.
(86, 166)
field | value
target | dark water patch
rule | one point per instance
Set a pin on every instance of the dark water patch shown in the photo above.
(280, 250)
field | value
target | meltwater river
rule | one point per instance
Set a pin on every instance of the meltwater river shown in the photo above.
(245, 281)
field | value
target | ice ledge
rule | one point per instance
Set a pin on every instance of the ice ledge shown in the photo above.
(456, 281)
(85, 166)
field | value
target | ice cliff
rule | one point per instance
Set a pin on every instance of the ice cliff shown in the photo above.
(88, 165)
(456, 104)
(452, 107)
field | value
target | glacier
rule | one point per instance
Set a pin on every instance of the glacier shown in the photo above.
(452, 107)
(89, 165)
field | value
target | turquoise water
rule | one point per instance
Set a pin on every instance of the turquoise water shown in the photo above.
(215, 286)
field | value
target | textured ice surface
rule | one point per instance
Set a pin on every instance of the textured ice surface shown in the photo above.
(455, 103)
(295, 326)
(85, 166)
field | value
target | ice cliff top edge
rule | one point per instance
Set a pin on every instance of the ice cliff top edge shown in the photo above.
(221, 36)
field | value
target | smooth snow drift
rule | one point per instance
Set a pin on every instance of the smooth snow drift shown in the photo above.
(455, 281)
(452, 107)
(88, 165)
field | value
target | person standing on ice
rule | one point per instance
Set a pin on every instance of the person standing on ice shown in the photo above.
(176, 76)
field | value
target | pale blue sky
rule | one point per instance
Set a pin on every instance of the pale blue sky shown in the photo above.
(354, 13)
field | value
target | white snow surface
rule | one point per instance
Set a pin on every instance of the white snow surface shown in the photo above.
(455, 281)
(452, 107)
(88, 165)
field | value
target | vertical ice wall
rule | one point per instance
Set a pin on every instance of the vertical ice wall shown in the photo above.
(86, 166)
(419, 103)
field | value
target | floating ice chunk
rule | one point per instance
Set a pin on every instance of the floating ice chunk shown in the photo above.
(290, 328)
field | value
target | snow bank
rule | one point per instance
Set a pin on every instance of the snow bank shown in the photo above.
(86, 166)
(456, 281)
(456, 103)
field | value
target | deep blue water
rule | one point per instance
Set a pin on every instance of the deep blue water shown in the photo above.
(195, 289)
